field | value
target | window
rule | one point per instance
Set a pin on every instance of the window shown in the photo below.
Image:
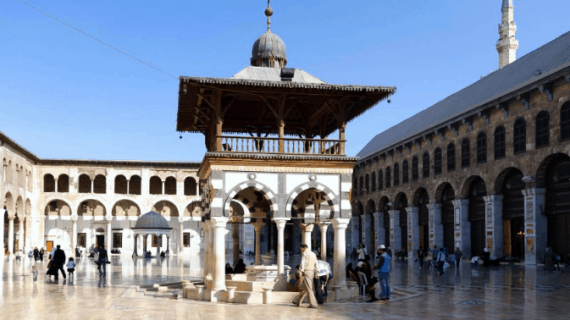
(396, 174)
(482, 148)
(49, 183)
(155, 186)
(519, 136)
(170, 186)
(120, 184)
(135, 185)
(425, 165)
(186, 239)
(565, 122)
(437, 161)
(82, 240)
(465, 153)
(415, 169)
(450, 157)
(405, 171)
(156, 240)
(380, 180)
(367, 183)
(373, 181)
(84, 184)
(542, 129)
(388, 174)
(63, 183)
(189, 186)
(117, 240)
(499, 142)
(361, 184)
(100, 184)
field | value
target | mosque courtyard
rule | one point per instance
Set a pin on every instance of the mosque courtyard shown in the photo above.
(506, 292)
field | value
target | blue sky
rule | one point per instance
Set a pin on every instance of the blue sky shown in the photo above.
(64, 95)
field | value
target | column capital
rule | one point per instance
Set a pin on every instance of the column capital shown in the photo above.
(434, 206)
(307, 227)
(412, 209)
(393, 213)
(460, 202)
(219, 222)
(324, 225)
(108, 218)
(529, 192)
(493, 198)
(340, 223)
(280, 222)
(258, 225)
(74, 218)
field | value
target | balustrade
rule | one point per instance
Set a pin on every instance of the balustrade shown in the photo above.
(289, 146)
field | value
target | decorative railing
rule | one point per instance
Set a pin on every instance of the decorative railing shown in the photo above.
(240, 144)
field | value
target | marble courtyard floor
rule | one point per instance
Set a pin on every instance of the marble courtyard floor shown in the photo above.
(507, 292)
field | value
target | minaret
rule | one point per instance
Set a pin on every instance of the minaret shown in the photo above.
(507, 45)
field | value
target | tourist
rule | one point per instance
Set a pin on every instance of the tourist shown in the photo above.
(458, 256)
(35, 272)
(19, 255)
(350, 273)
(240, 267)
(375, 292)
(71, 267)
(36, 254)
(324, 276)
(421, 257)
(354, 254)
(434, 253)
(42, 252)
(229, 269)
(52, 252)
(362, 254)
(52, 268)
(102, 261)
(383, 267)
(440, 260)
(59, 260)
(307, 268)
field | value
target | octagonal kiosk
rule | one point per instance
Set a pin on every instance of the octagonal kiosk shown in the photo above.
(151, 223)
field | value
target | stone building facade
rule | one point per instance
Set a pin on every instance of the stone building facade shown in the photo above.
(84, 203)
(492, 174)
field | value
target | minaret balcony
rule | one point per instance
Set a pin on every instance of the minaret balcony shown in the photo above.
(274, 145)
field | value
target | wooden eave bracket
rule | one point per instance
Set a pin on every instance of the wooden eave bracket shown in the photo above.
(399, 149)
(441, 133)
(391, 153)
(469, 122)
(485, 115)
(408, 147)
(383, 156)
(375, 159)
(429, 138)
(504, 107)
(547, 90)
(567, 77)
(418, 142)
(524, 99)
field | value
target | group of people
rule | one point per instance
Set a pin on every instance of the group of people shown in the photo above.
(439, 258)
(312, 278)
(239, 268)
(57, 261)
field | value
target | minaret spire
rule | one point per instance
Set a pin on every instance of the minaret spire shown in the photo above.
(507, 45)
(268, 14)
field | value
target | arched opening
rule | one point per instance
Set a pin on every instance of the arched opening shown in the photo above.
(126, 208)
(49, 183)
(170, 186)
(499, 145)
(166, 209)
(476, 216)
(437, 161)
(402, 204)
(373, 181)
(194, 210)
(100, 184)
(121, 184)
(481, 148)
(565, 122)
(513, 214)
(448, 216)
(425, 165)
(135, 185)
(385, 223)
(451, 157)
(63, 183)
(423, 218)
(396, 175)
(542, 129)
(369, 226)
(84, 184)
(557, 208)
(519, 136)
(91, 208)
(405, 171)
(155, 186)
(189, 186)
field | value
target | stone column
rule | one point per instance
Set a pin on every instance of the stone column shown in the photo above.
(324, 226)
(21, 236)
(379, 232)
(158, 245)
(73, 235)
(462, 226)
(280, 223)
(144, 244)
(339, 264)
(258, 226)
(11, 218)
(109, 243)
(307, 229)
(494, 224)
(362, 221)
(181, 236)
(219, 228)
(435, 226)
(2, 213)
(168, 244)
(535, 223)
(395, 231)
(413, 232)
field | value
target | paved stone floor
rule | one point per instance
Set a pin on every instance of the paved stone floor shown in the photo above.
(505, 292)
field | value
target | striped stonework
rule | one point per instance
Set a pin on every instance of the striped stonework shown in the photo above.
(332, 199)
(257, 186)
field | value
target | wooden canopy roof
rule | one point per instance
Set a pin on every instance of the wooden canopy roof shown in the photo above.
(307, 108)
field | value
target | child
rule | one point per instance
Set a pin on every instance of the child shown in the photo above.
(71, 267)
(35, 272)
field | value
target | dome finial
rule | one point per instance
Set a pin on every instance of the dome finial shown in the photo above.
(268, 14)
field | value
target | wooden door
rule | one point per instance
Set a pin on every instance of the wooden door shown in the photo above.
(49, 246)
(508, 245)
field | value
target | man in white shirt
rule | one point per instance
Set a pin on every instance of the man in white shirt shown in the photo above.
(324, 276)
(308, 270)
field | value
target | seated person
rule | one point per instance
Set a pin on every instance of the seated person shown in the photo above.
(229, 269)
(240, 267)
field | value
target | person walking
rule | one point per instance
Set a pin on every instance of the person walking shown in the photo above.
(458, 256)
(102, 261)
(71, 267)
(434, 253)
(421, 257)
(440, 261)
(58, 258)
(383, 267)
(42, 252)
(36, 254)
(307, 269)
